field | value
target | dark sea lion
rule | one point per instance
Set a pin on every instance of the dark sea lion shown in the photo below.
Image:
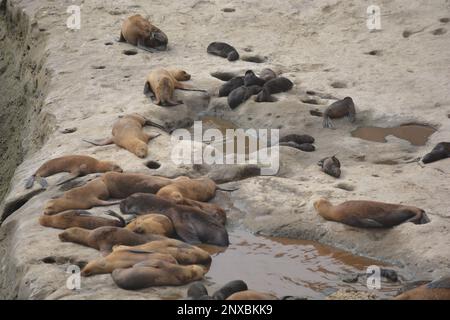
(370, 214)
(241, 94)
(251, 295)
(197, 291)
(156, 272)
(439, 152)
(338, 109)
(267, 74)
(331, 166)
(223, 50)
(152, 224)
(435, 290)
(229, 289)
(192, 225)
(230, 85)
(79, 218)
(250, 79)
(127, 133)
(277, 85)
(104, 238)
(76, 165)
(307, 147)
(297, 138)
(141, 33)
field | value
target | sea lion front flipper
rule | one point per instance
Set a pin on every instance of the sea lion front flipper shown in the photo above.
(148, 90)
(142, 46)
(150, 136)
(42, 182)
(103, 142)
(29, 182)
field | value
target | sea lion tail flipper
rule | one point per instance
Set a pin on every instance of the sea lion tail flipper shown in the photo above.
(68, 178)
(316, 113)
(116, 215)
(30, 181)
(227, 189)
(43, 182)
(103, 142)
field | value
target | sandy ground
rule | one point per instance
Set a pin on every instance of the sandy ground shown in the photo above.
(313, 43)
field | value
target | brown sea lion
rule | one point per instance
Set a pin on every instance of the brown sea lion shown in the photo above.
(156, 272)
(331, 166)
(439, 152)
(76, 165)
(192, 225)
(94, 193)
(251, 295)
(435, 290)
(152, 224)
(104, 238)
(370, 214)
(141, 33)
(127, 133)
(79, 218)
(338, 109)
(200, 189)
(223, 50)
(230, 85)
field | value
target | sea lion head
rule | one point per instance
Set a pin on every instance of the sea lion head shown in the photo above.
(321, 203)
(106, 166)
(140, 149)
(71, 234)
(232, 56)
(157, 39)
(180, 75)
(95, 267)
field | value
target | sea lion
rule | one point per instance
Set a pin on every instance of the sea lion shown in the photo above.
(152, 224)
(251, 295)
(192, 225)
(370, 214)
(435, 290)
(338, 109)
(302, 142)
(250, 79)
(198, 291)
(230, 288)
(276, 85)
(267, 74)
(94, 193)
(163, 82)
(76, 165)
(156, 272)
(127, 133)
(331, 166)
(79, 218)
(241, 94)
(439, 152)
(200, 189)
(141, 33)
(230, 85)
(223, 50)
(104, 238)
(307, 147)
(171, 250)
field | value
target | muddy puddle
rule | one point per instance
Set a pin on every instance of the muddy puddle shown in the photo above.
(416, 134)
(290, 267)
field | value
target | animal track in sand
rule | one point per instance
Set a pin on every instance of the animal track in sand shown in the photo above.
(130, 52)
(254, 59)
(439, 31)
(153, 164)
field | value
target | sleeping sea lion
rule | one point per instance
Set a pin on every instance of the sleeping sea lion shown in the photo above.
(230, 85)
(229, 288)
(435, 290)
(241, 94)
(79, 218)
(276, 85)
(251, 295)
(151, 224)
(250, 79)
(223, 50)
(331, 166)
(267, 74)
(439, 152)
(338, 109)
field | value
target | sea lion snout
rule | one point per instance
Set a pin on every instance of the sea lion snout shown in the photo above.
(232, 56)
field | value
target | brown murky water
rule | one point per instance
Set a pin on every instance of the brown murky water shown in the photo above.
(290, 267)
(416, 134)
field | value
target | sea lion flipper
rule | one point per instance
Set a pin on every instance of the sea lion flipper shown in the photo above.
(149, 122)
(121, 38)
(226, 189)
(29, 182)
(43, 182)
(148, 90)
(103, 142)
(116, 215)
(68, 178)
(142, 46)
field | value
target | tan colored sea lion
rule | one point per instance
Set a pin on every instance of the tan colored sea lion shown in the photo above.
(76, 165)
(200, 189)
(122, 185)
(79, 218)
(435, 290)
(141, 33)
(127, 133)
(370, 214)
(155, 272)
(152, 224)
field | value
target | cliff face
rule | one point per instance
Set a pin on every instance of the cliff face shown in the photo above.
(53, 78)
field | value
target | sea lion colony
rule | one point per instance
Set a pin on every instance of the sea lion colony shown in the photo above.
(170, 216)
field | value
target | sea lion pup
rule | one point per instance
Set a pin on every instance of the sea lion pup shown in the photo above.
(241, 94)
(370, 214)
(79, 218)
(251, 295)
(198, 291)
(302, 142)
(276, 85)
(141, 33)
(122, 185)
(338, 109)
(435, 290)
(223, 50)
(127, 133)
(104, 238)
(94, 193)
(267, 74)
(307, 147)
(156, 272)
(439, 152)
(76, 165)
(192, 225)
(229, 289)
(230, 85)
(250, 79)
(331, 166)
(152, 224)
